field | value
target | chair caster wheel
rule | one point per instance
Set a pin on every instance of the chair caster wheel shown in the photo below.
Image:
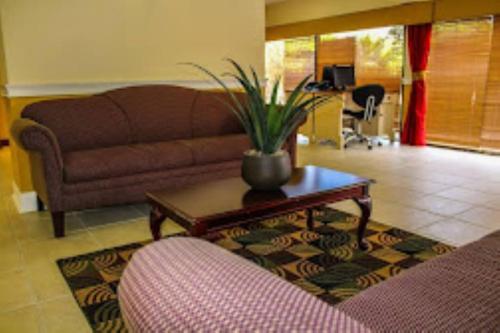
(370, 147)
(345, 146)
(379, 144)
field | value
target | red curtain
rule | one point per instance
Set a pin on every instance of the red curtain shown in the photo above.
(419, 45)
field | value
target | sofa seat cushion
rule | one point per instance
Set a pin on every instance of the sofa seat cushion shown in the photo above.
(219, 148)
(128, 160)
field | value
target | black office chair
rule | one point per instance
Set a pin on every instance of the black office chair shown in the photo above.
(368, 98)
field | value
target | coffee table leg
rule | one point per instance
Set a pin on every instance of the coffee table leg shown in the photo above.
(365, 204)
(198, 230)
(156, 218)
(310, 218)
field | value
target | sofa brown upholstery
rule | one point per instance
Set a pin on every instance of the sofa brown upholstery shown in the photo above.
(111, 148)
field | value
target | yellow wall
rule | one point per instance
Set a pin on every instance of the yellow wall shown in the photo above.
(455, 9)
(76, 41)
(295, 18)
(3, 119)
(95, 41)
(292, 11)
(3, 80)
(414, 13)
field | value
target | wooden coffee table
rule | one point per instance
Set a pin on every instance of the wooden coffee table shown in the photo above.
(207, 207)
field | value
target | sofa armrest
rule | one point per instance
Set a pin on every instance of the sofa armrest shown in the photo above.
(32, 136)
(45, 158)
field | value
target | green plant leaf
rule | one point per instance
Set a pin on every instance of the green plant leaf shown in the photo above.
(274, 112)
(267, 125)
(221, 83)
(255, 109)
(288, 108)
(256, 104)
(245, 121)
(300, 114)
(239, 110)
(256, 80)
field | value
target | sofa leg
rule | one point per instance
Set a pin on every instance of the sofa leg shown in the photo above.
(58, 224)
(39, 204)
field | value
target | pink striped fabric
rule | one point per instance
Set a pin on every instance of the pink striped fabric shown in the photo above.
(190, 285)
(457, 292)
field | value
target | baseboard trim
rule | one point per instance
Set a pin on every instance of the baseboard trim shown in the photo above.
(31, 90)
(479, 150)
(25, 202)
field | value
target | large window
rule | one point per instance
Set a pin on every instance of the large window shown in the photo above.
(333, 50)
(290, 61)
(376, 53)
(275, 67)
(463, 84)
(490, 134)
(299, 61)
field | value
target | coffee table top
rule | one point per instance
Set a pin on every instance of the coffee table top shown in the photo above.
(233, 195)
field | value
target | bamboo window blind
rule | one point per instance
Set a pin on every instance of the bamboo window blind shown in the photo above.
(298, 61)
(380, 61)
(332, 51)
(463, 84)
(377, 57)
(490, 135)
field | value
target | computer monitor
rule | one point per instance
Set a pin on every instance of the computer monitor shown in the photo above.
(343, 76)
(328, 75)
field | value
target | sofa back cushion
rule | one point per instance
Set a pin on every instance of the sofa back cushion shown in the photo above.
(211, 117)
(157, 112)
(82, 123)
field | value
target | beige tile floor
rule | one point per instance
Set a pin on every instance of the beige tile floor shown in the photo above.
(447, 195)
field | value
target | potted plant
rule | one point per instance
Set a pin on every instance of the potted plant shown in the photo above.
(268, 125)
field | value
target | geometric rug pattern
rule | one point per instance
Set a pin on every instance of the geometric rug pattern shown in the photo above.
(325, 262)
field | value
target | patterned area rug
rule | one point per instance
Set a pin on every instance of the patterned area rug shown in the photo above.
(325, 262)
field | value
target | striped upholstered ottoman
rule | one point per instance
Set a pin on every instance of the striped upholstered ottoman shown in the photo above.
(190, 285)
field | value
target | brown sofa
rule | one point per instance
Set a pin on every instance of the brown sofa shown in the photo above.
(111, 148)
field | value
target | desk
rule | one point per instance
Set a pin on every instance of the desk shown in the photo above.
(325, 123)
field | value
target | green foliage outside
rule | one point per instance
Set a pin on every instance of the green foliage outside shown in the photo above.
(379, 50)
(382, 51)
